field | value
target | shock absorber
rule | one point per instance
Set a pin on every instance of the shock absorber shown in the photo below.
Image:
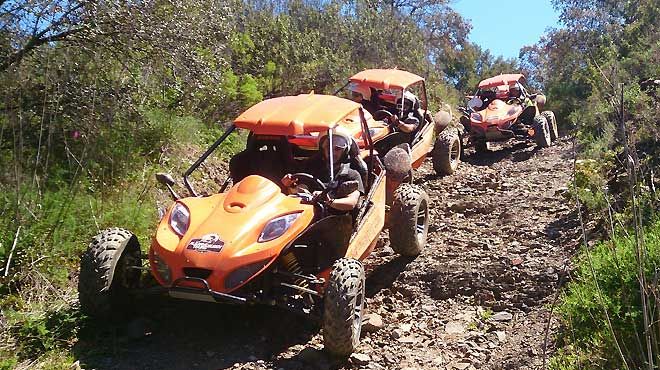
(291, 264)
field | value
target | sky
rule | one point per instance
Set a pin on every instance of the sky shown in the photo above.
(505, 26)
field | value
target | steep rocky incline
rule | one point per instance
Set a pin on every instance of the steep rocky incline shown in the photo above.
(478, 296)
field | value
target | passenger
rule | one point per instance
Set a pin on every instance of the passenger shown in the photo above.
(514, 92)
(502, 92)
(411, 117)
(362, 94)
(347, 186)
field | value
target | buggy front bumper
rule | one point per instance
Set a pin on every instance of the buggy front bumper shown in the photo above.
(202, 293)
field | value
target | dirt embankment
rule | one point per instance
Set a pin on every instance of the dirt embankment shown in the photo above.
(477, 297)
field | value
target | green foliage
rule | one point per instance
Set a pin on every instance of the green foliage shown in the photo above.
(57, 225)
(44, 332)
(612, 287)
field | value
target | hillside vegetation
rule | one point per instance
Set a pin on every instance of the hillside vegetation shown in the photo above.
(98, 96)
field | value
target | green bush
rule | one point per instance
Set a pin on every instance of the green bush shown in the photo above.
(612, 287)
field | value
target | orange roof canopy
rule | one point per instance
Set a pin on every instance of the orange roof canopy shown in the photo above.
(500, 80)
(386, 78)
(296, 115)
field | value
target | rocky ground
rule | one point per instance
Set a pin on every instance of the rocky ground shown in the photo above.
(479, 295)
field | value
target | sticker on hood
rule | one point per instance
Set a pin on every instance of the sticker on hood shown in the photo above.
(207, 243)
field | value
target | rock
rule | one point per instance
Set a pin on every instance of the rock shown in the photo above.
(372, 322)
(459, 365)
(516, 261)
(360, 358)
(408, 339)
(405, 327)
(311, 355)
(455, 327)
(502, 316)
(501, 335)
(458, 207)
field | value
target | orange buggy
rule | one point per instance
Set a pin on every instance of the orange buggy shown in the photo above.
(391, 96)
(502, 109)
(254, 244)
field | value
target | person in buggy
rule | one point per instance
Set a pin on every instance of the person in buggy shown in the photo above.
(363, 94)
(332, 166)
(411, 117)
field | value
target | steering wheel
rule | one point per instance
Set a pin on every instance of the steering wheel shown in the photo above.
(312, 182)
(382, 114)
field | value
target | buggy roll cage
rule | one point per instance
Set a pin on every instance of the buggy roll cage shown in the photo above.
(365, 134)
(419, 131)
(403, 92)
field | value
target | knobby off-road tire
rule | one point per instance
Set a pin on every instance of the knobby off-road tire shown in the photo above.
(409, 220)
(552, 124)
(105, 277)
(446, 153)
(343, 307)
(541, 131)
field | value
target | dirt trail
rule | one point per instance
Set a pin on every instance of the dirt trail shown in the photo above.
(477, 297)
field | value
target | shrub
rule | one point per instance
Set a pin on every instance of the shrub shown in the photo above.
(605, 280)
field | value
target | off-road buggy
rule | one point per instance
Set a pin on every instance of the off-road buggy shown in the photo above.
(392, 95)
(252, 243)
(502, 109)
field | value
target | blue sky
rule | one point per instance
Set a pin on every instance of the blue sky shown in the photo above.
(493, 28)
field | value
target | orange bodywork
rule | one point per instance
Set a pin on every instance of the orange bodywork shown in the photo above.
(238, 217)
(298, 115)
(498, 112)
(504, 79)
(364, 240)
(421, 149)
(386, 78)
(496, 117)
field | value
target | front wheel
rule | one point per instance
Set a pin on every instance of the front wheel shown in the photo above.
(446, 153)
(541, 132)
(409, 220)
(343, 307)
(108, 273)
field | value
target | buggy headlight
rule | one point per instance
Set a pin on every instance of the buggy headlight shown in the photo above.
(180, 219)
(277, 226)
(476, 117)
(243, 274)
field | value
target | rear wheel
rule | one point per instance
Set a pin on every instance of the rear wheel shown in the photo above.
(343, 307)
(446, 153)
(541, 131)
(107, 273)
(409, 220)
(552, 124)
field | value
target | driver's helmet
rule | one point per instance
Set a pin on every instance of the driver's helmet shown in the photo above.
(341, 144)
(514, 91)
(410, 101)
(502, 92)
(359, 92)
